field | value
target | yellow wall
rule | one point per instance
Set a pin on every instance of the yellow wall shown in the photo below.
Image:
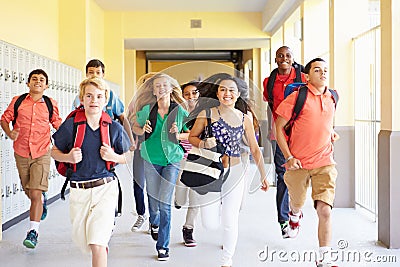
(32, 25)
(72, 33)
(114, 48)
(130, 74)
(316, 33)
(341, 63)
(95, 32)
(291, 34)
(177, 25)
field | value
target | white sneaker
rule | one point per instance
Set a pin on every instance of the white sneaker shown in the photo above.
(139, 223)
(294, 227)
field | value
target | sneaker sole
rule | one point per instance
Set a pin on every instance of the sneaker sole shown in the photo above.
(163, 259)
(29, 244)
(190, 244)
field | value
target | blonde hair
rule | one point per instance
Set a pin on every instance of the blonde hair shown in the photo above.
(98, 83)
(145, 96)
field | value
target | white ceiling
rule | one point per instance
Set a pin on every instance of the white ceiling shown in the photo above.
(184, 5)
(189, 6)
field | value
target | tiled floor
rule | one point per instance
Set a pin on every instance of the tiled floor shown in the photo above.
(259, 244)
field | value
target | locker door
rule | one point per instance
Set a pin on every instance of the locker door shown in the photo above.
(2, 134)
(14, 71)
(6, 144)
(11, 162)
(21, 71)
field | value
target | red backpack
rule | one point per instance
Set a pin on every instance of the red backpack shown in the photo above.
(66, 169)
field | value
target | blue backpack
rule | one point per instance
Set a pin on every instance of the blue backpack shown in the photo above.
(301, 99)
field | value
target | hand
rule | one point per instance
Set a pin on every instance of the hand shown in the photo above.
(264, 184)
(147, 128)
(75, 155)
(107, 153)
(14, 134)
(335, 136)
(174, 128)
(132, 147)
(210, 142)
(293, 164)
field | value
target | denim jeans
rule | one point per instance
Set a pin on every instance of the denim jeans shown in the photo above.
(282, 197)
(160, 183)
(138, 182)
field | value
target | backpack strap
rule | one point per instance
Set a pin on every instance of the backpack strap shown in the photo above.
(78, 132)
(49, 106)
(270, 87)
(272, 78)
(297, 68)
(79, 129)
(172, 113)
(335, 96)
(22, 98)
(16, 106)
(105, 134)
(105, 122)
(300, 100)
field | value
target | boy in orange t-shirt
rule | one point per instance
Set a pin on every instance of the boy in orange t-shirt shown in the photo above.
(309, 154)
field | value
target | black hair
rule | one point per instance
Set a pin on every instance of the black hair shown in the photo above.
(307, 68)
(191, 83)
(208, 95)
(38, 71)
(95, 63)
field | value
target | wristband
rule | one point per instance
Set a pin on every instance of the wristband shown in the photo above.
(289, 158)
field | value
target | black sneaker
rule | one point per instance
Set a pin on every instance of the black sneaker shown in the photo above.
(188, 237)
(31, 239)
(177, 206)
(154, 232)
(163, 255)
(284, 229)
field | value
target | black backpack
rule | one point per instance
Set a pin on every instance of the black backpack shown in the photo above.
(300, 100)
(22, 97)
(272, 77)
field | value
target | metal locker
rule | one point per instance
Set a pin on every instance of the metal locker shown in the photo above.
(22, 71)
(33, 63)
(2, 96)
(2, 134)
(7, 72)
(14, 70)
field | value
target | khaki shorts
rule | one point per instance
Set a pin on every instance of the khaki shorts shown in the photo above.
(34, 173)
(92, 213)
(323, 183)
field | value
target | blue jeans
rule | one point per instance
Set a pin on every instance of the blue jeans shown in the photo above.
(138, 182)
(282, 197)
(160, 184)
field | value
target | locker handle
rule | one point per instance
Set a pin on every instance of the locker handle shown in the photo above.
(14, 76)
(6, 75)
(8, 191)
(21, 77)
(15, 188)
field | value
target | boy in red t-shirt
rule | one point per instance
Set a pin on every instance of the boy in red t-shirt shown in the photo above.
(282, 76)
